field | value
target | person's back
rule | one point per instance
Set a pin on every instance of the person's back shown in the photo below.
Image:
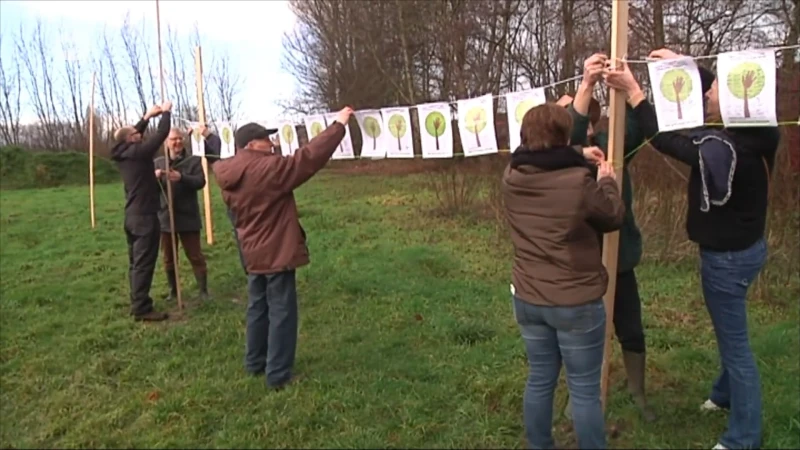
(555, 211)
(257, 186)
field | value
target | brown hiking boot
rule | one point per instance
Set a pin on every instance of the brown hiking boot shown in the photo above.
(152, 316)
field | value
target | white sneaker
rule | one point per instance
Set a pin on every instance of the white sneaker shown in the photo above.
(719, 446)
(710, 406)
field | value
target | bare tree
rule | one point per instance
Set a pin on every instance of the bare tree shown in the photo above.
(11, 91)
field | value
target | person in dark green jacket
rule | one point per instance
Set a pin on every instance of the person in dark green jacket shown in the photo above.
(585, 112)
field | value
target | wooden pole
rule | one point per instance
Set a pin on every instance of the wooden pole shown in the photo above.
(616, 154)
(91, 152)
(173, 241)
(201, 111)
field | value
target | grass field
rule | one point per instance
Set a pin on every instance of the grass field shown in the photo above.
(407, 337)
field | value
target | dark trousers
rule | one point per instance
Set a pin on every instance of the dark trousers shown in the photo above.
(628, 313)
(271, 325)
(236, 239)
(191, 246)
(142, 233)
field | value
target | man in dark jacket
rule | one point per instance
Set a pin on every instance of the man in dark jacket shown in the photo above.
(257, 185)
(134, 157)
(187, 177)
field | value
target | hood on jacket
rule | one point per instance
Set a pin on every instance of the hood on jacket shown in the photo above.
(118, 150)
(229, 174)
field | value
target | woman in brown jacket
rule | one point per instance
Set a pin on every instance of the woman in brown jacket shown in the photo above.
(556, 212)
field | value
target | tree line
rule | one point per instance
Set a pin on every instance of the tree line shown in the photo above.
(54, 83)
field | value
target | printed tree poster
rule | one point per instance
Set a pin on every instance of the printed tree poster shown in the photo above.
(227, 149)
(345, 150)
(400, 141)
(476, 126)
(373, 133)
(287, 134)
(677, 93)
(517, 104)
(314, 126)
(747, 88)
(198, 140)
(436, 137)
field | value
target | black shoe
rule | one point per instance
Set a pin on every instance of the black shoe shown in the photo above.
(202, 284)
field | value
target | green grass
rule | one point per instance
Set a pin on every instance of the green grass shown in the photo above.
(407, 337)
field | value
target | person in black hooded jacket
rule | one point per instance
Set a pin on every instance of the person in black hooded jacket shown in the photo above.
(134, 158)
(726, 217)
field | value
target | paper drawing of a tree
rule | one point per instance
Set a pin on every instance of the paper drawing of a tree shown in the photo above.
(196, 135)
(316, 128)
(676, 87)
(475, 122)
(523, 107)
(288, 135)
(226, 136)
(397, 127)
(435, 125)
(372, 129)
(746, 81)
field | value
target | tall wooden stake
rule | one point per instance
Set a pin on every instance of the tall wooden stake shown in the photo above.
(174, 242)
(616, 154)
(91, 152)
(201, 111)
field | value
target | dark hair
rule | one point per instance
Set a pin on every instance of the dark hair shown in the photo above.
(546, 126)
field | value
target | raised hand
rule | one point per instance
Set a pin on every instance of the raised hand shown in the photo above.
(594, 154)
(343, 116)
(606, 170)
(166, 106)
(621, 78)
(153, 112)
(593, 68)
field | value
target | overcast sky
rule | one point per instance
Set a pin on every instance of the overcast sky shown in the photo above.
(250, 32)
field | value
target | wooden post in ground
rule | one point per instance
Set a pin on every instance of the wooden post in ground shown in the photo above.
(201, 111)
(91, 152)
(616, 152)
(173, 240)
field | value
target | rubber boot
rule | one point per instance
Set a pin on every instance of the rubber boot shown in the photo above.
(635, 370)
(202, 285)
(173, 285)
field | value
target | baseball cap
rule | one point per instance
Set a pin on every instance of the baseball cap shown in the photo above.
(250, 132)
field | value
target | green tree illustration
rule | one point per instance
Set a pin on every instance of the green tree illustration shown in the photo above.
(522, 108)
(746, 81)
(196, 134)
(316, 128)
(676, 87)
(435, 125)
(226, 135)
(372, 129)
(397, 126)
(288, 135)
(475, 122)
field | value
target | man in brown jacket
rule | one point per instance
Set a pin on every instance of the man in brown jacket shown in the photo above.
(257, 185)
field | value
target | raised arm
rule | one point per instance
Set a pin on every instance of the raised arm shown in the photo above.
(148, 148)
(213, 148)
(604, 207)
(309, 159)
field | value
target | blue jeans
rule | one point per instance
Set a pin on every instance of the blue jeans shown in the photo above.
(271, 326)
(726, 277)
(236, 239)
(574, 335)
